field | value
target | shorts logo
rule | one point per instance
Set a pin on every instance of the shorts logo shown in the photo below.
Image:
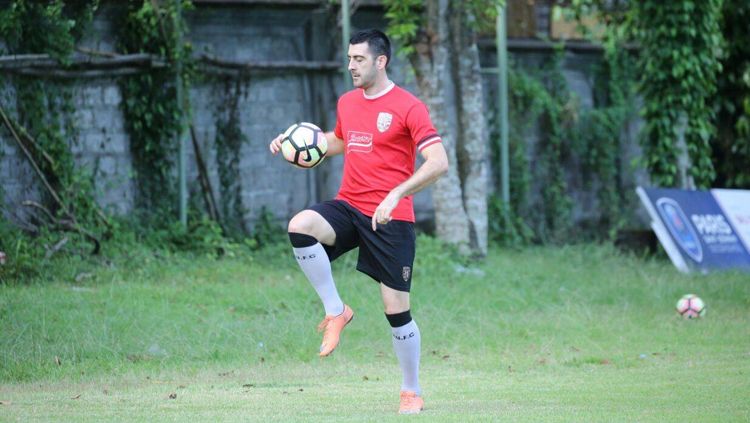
(359, 142)
(384, 121)
(405, 273)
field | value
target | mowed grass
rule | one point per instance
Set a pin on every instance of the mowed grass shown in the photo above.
(579, 333)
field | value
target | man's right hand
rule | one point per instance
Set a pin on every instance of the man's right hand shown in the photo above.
(275, 145)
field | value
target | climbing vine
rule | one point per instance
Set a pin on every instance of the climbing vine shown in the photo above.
(44, 107)
(602, 127)
(507, 224)
(39, 116)
(569, 137)
(679, 65)
(229, 140)
(556, 123)
(573, 142)
(679, 62)
(731, 153)
(689, 51)
(152, 114)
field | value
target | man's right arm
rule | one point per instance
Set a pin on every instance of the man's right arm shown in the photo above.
(335, 144)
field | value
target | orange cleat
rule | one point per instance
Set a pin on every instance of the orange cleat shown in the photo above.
(332, 327)
(411, 403)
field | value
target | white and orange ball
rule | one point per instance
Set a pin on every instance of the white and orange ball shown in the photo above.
(690, 306)
(304, 145)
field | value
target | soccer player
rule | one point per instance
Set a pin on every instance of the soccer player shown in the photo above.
(379, 128)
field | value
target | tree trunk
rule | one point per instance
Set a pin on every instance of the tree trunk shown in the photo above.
(432, 67)
(472, 150)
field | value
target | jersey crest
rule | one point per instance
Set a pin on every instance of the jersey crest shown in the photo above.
(384, 121)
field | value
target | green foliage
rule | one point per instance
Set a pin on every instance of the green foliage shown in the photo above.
(50, 27)
(482, 13)
(49, 255)
(601, 133)
(152, 114)
(267, 231)
(45, 107)
(45, 113)
(570, 137)
(436, 257)
(404, 17)
(506, 227)
(229, 141)
(202, 235)
(557, 120)
(34, 257)
(22, 255)
(567, 132)
(154, 118)
(680, 51)
(693, 55)
(731, 155)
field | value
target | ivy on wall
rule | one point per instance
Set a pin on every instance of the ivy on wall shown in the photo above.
(679, 62)
(569, 137)
(603, 129)
(229, 140)
(41, 119)
(694, 78)
(44, 107)
(557, 120)
(686, 53)
(152, 115)
(567, 132)
(731, 153)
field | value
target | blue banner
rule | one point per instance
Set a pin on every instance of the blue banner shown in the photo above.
(694, 230)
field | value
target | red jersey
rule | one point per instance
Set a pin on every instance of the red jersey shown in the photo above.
(382, 135)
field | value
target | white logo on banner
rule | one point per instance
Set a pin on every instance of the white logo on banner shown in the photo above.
(735, 203)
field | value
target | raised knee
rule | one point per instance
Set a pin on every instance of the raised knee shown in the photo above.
(298, 224)
(310, 223)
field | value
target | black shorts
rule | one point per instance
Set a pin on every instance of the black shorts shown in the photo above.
(386, 255)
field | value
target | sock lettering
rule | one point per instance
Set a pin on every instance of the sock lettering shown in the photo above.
(403, 337)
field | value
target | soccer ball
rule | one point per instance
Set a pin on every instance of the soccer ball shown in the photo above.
(691, 306)
(304, 145)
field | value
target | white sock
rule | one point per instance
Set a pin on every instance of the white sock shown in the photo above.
(315, 264)
(407, 344)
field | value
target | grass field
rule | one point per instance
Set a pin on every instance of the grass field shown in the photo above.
(579, 333)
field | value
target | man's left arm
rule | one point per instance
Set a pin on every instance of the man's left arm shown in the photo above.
(434, 166)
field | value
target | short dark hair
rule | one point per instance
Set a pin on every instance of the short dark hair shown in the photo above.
(377, 41)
